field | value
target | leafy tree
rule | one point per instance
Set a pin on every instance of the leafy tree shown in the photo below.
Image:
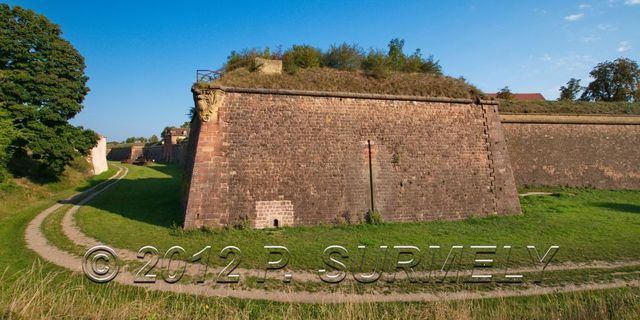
(165, 132)
(416, 63)
(571, 90)
(344, 57)
(301, 57)
(396, 58)
(137, 139)
(7, 134)
(185, 124)
(375, 64)
(42, 86)
(154, 139)
(617, 80)
(505, 94)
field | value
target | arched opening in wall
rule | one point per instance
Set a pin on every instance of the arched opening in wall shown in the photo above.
(275, 223)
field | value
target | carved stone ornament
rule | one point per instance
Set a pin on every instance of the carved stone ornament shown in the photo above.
(208, 103)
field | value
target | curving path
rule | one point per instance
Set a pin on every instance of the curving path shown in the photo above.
(37, 242)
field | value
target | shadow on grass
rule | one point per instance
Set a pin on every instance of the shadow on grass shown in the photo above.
(621, 207)
(150, 200)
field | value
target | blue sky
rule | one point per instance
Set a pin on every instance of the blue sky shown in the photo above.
(142, 56)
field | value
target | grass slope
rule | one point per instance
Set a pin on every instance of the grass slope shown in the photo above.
(326, 79)
(570, 107)
(30, 289)
(587, 224)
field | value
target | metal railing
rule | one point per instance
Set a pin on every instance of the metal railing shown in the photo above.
(207, 75)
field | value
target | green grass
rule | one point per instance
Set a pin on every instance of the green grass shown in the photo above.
(23, 201)
(587, 224)
(31, 295)
(30, 289)
(52, 230)
(572, 107)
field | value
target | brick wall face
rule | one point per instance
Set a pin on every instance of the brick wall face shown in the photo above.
(277, 213)
(570, 154)
(429, 160)
(124, 153)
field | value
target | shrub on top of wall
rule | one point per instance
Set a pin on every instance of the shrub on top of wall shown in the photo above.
(301, 57)
(377, 63)
(344, 57)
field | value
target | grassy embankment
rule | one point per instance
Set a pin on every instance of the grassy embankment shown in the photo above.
(416, 84)
(327, 79)
(570, 107)
(34, 290)
(587, 224)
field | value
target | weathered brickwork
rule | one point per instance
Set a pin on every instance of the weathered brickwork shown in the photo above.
(439, 159)
(175, 153)
(581, 151)
(275, 213)
(128, 153)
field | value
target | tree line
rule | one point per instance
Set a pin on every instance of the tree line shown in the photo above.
(150, 140)
(617, 80)
(613, 81)
(350, 57)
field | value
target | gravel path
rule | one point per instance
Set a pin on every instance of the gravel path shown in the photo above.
(38, 243)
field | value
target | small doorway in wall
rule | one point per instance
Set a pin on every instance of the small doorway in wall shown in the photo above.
(275, 223)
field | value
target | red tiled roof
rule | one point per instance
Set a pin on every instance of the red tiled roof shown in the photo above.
(522, 96)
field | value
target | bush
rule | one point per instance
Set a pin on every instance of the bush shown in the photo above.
(398, 61)
(344, 57)
(375, 64)
(416, 63)
(246, 58)
(373, 217)
(301, 57)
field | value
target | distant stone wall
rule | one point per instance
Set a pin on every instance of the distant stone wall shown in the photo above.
(174, 153)
(569, 150)
(128, 153)
(312, 157)
(153, 153)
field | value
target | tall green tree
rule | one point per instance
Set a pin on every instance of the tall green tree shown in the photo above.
(617, 80)
(396, 57)
(42, 86)
(165, 132)
(7, 134)
(571, 90)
